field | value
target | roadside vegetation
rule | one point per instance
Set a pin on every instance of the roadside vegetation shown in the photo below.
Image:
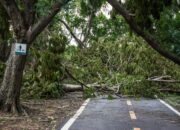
(112, 56)
(90, 46)
(98, 47)
(173, 99)
(106, 53)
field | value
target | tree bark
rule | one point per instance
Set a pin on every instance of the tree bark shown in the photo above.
(72, 87)
(11, 85)
(24, 32)
(4, 51)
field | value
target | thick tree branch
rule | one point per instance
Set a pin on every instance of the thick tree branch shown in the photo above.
(86, 34)
(29, 11)
(170, 90)
(4, 51)
(88, 28)
(146, 36)
(81, 45)
(37, 28)
(15, 15)
(71, 76)
(166, 79)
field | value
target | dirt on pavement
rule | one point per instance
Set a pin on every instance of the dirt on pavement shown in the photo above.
(44, 114)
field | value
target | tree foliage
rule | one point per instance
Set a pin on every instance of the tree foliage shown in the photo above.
(44, 71)
(147, 10)
(123, 62)
(112, 55)
(168, 30)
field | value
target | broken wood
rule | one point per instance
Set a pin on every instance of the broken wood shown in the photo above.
(169, 90)
(99, 88)
(76, 87)
(72, 87)
(75, 79)
(165, 79)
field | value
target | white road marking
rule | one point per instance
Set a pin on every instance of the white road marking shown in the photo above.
(170, 107)
(78, 113)
(129, 103)
(132, 115)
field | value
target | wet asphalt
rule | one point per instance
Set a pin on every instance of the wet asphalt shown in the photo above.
(103, 114)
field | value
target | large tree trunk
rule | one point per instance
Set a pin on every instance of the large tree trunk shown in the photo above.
(4, 51)
(25, 31)
(11, 85)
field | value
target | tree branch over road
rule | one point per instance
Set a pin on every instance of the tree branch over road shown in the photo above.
(146, 36)
(42, 23)
(86, 34)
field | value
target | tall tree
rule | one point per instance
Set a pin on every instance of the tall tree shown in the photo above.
(25, 29)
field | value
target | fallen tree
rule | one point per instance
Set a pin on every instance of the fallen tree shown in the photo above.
(98, 88)
(72, 87)
(165, 79)
(169, 90)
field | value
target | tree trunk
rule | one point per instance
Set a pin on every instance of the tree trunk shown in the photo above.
(4, 51)
(11, 85)
(25, 31)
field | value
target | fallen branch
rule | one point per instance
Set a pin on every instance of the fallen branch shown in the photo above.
(75, 87)
(99, 88)
(169, 90)
(166, 79)
(71, 76)
(161, 77)
(72, 87)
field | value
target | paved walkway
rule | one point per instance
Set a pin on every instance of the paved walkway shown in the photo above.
(123, 114)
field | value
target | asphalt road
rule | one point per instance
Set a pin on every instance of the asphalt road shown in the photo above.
(125, 114)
